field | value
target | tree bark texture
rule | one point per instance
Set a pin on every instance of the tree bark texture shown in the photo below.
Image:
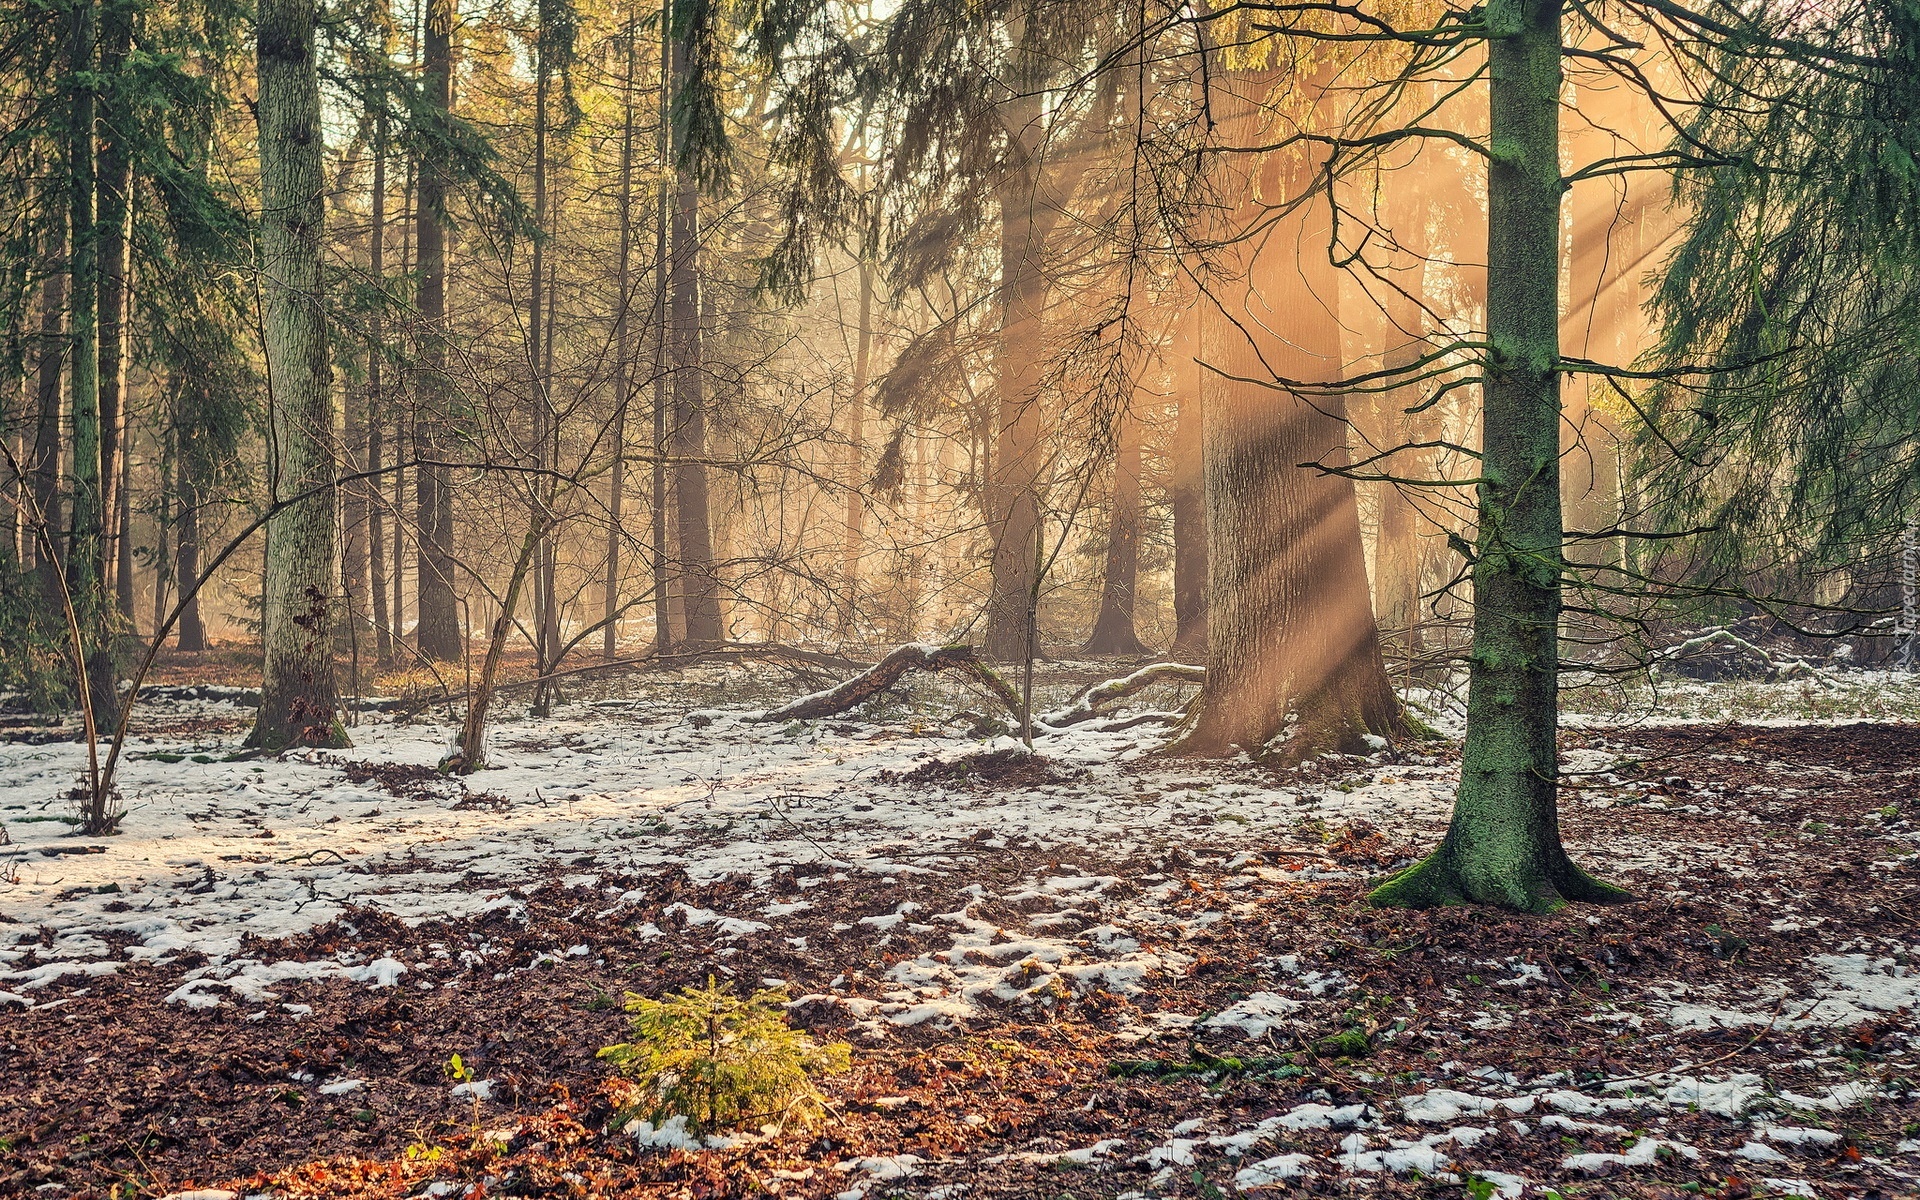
(298, 703)
(1503, 845)
(1292, 645)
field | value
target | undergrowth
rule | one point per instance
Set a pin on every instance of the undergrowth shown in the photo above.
(721, 1061)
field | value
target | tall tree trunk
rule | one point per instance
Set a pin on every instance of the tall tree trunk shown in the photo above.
(299, 705)
(1113, 630)
(163, 568)
(115, 267)
(1397, 559)
(1292, 647)
(43, 463)
(86, 557)
(1186, 495)
(701, 589)
(438, 630)
(188, 392)
(623, 358)
(1503, 845)
(663, 220)
(856, 517)
(545, 603)
(383, 627)
(1012, 494)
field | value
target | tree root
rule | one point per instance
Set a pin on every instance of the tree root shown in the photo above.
(1541, 888)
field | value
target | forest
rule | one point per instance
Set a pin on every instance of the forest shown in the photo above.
(960, 599)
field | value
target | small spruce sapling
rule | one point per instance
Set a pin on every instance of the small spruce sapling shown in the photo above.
(719, 1061)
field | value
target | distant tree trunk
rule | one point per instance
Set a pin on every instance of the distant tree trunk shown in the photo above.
(298, 702)
(383, 627)
(438, 629)
(1292, 647)
(1113, 630)
(856, 517)
(190, 493)
(539, 357)
(43, 463)
(1186, 495)
(623, 359)
(163, 565)
(1397, 558)
(662, 267)
(86, 557)
(700, 587)
(115, 267)
(1503, 845)
(1012, 494)
(123, 532)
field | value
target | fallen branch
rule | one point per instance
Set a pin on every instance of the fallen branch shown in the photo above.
(914, 656)
(1091, 699)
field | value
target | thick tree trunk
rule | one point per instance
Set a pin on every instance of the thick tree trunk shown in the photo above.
(298, 703)
(1186, 495)
(438, 630)
(1503, 846)
(1113, 630)
(700, 589)
(1292, 647)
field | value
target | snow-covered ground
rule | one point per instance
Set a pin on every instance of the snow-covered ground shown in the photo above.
(223, 858)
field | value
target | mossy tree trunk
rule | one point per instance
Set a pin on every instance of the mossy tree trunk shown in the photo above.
(298, 703)
(1503, 846)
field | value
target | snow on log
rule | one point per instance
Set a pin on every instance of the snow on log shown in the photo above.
(914, 656)
(1087, 705)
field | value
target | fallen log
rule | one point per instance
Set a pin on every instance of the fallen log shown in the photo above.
(914, 656)
(1091, 699)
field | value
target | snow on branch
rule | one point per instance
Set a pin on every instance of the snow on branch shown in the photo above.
(914, 656)
(1087, 704)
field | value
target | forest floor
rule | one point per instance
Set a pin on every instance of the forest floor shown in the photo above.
(1090, 971)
